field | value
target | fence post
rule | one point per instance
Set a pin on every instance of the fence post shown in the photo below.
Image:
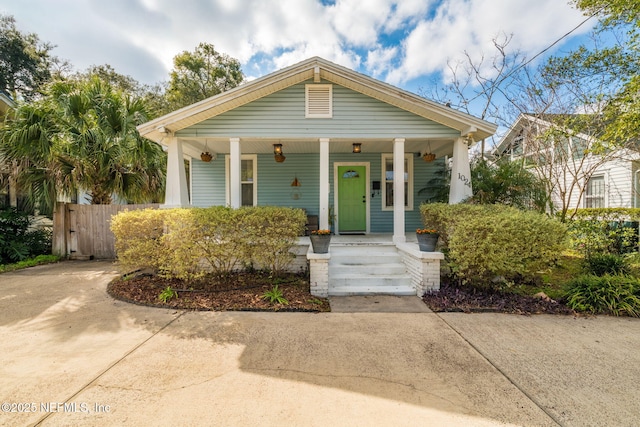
(60, 232)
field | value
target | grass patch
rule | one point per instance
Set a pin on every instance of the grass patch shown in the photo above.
(31, 262)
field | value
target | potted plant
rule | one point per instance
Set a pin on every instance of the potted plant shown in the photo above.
(320, 240)
(427, 239)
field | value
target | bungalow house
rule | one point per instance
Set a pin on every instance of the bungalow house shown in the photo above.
(581, 177)
(341, 145)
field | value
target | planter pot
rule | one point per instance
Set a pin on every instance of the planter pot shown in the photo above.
(427, 242)
(320, 243)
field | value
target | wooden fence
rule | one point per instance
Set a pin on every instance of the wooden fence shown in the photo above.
(83, 231)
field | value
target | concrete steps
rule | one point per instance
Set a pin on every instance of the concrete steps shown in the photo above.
(367, 269)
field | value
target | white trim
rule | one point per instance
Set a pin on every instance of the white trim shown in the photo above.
(383, 187)
(227, 161)
(176, 184)
(367, 166)
(321, 98)
(235, 172)
(324, 184)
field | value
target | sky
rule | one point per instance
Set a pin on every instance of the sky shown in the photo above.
(407, 43)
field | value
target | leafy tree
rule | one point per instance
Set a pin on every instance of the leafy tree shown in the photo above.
(82, 136)
(507, 183)
(153, 96)
(201, 74)
(621, 103)
(25, 63)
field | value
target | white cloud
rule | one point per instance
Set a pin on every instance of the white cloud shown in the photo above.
(396, 40)
(461, 26)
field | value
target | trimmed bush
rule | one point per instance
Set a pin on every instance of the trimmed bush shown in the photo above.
(138, 238)
(601, 264)
(605, 230)
(187, 243)
(482, 242)
(609, 294)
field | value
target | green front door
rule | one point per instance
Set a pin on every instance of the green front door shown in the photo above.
(352, 199)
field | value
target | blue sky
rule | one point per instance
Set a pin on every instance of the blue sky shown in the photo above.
(406, 43)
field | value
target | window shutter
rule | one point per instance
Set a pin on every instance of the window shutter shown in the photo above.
(319, 101)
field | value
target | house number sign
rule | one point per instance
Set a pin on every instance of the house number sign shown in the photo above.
(464, 179)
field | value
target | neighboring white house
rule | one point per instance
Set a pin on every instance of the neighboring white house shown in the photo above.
(581, 178)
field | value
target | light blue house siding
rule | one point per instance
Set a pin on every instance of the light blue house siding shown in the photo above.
(281, 115)
(274, 184)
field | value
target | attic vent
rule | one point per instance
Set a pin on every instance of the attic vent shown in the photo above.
(318, 101)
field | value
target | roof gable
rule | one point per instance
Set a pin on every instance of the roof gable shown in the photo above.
(317, 69)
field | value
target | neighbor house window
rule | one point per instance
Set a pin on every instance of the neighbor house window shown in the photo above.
(248, 179)
(318, 101)
(595, 193)
(387, 179)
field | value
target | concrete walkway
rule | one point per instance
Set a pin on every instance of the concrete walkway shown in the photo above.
(70, 355)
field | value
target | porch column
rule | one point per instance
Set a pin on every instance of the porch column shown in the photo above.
(398, 191)
(460, 188)
(176, 194)
(235, 176)
(324, 184)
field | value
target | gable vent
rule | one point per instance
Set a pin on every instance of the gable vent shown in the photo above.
(319, 101)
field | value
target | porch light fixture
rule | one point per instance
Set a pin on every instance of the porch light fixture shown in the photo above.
(277, 153)
(357, 147)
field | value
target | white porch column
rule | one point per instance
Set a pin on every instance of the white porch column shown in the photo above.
(235, 175)
(460, 188)
(398, 191)
(324, 184)
(176, 194)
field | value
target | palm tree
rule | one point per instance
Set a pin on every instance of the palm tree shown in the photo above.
(82, 136)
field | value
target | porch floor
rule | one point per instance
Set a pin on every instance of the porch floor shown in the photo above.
(361, 239)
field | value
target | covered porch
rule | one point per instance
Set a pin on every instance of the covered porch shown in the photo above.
(391, 169)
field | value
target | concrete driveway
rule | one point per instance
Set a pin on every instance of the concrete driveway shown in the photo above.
(70, 355)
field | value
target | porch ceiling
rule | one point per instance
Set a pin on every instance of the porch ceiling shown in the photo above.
(194, 146)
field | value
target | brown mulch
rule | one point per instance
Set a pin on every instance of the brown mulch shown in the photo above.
(454, 298)
(239, 291)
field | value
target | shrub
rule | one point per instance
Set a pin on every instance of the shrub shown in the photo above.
(605, 230)
(271, 232)
(507, 183)
(485, 241)
(17, 241)
(601, 264)
(185, 243)
(610, 294)
(138, 237)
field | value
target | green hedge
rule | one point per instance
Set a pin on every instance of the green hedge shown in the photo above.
(605, 230)
(482, 242)
(187, 243)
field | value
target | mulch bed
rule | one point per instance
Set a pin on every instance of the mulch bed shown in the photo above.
(240, 291)
(244, 292)
(454, 298)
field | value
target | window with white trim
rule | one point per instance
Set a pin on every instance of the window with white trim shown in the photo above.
(248, 179)
(318, 101)
(595, 193)
(387, 179)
